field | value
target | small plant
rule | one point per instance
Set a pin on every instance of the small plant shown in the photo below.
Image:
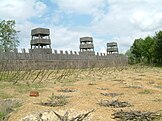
(151, 82)
(114, 104)
(55, 101)
(91, 83)
(118, 80)
(136, 116)
(157, 100)
(146, 91)
(111, 94)
(133, 86)
(159, 86)
(102, 88)
(53, 96)
(2, 116)
(66, 90)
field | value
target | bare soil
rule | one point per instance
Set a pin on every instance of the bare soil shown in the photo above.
(139, 86)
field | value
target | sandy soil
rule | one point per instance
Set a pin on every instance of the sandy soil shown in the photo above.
(141, 87)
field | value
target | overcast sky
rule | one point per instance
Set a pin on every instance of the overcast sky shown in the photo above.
(68, 20)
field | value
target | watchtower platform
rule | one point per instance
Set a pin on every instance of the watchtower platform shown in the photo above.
(86, 46)
(40, 41)
(112, 48)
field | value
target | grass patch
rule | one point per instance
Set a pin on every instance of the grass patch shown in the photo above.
(68, 82)
(146, 91)
(7, 106)
(23, 88)
(4, 95)
(2, 115)
(5, 84)
(6, 76)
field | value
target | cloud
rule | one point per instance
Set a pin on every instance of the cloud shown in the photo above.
(21, 10)
(126, 20)
(39, 8)
(147, 21)
(65, 39)
(25, 33)
(126, 15)
(80, 6)
(122, 20)
(110, 20)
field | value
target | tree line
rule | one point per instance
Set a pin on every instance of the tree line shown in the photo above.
(146, 50)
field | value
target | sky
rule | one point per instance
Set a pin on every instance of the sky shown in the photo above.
(121, 21)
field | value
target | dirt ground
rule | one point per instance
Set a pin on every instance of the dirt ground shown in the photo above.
(141, 86)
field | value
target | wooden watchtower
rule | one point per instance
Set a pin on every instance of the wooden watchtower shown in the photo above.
(40, 41)
(112, 48)
(86, 46)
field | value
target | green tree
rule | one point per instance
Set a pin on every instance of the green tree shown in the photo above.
(137, 49)
(148, 49)
(131, 57)
(158, 47)
(8, 35)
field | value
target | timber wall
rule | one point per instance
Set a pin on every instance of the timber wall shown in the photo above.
(57, 60)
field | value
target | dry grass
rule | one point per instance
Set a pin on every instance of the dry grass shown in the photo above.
(7, 106)
(143, 90)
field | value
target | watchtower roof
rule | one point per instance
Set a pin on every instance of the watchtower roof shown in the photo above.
(40, 31)
(111, 44)
(86, 39)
